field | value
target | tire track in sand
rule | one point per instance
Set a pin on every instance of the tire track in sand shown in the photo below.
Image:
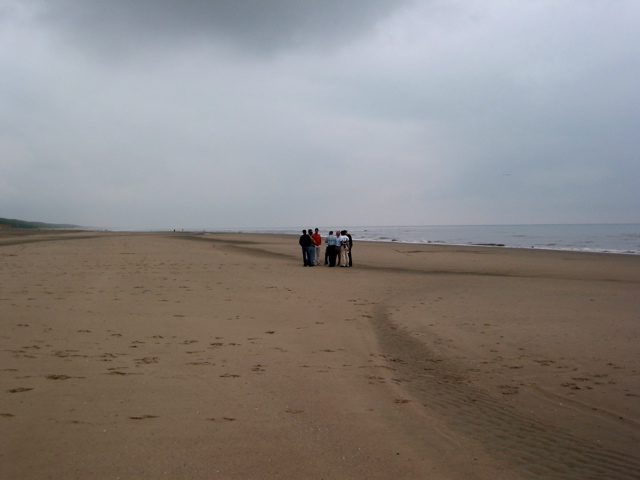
(533, 448)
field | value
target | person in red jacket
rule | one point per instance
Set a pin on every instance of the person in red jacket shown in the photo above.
(317, 240)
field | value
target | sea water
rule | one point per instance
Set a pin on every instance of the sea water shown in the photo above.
(605, 238)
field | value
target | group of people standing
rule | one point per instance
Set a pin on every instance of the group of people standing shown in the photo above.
(337, 251)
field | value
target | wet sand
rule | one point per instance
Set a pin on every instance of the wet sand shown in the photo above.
(178, 355)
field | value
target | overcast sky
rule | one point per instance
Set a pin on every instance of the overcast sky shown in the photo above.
(276, 113)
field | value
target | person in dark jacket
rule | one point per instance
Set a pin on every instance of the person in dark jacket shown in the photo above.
(308, 248)
(350, 248)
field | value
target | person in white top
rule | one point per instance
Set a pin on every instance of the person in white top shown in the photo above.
(344, 248)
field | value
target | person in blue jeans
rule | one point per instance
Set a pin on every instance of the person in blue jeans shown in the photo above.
(308, 248)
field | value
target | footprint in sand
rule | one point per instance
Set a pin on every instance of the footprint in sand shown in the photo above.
(68, 353)
(143, 417)
(571, 386)
(19, 389)
(147, 360)
(509, 389)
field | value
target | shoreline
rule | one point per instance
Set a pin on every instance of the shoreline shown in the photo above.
(365, 236)
(613, 238)
(219, 356)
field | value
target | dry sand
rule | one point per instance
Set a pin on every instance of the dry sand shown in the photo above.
(174, 355)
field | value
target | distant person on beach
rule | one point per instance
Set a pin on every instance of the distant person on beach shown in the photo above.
(317, 240)
(344, 249)
(338, 247)
(308, 248)
(331, 253)
(350, 247)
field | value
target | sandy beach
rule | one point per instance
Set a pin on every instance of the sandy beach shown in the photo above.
(218, 356)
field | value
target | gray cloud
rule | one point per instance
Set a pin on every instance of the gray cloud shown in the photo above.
(256, 27)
